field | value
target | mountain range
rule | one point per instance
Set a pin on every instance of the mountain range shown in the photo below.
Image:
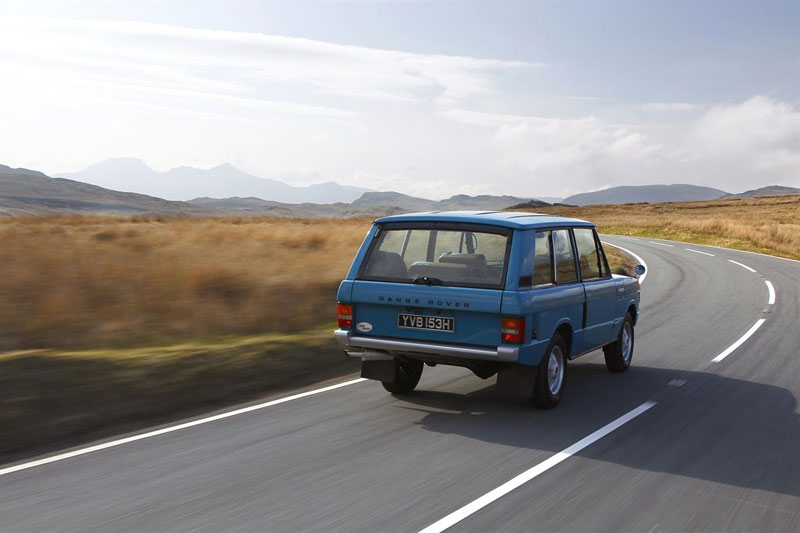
(28, 192)
(223, 181)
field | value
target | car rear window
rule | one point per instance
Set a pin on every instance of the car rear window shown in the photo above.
(454, 256)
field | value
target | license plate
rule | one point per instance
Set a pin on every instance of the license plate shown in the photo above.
(436, 323)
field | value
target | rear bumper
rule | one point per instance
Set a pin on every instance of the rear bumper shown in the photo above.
(377, 348)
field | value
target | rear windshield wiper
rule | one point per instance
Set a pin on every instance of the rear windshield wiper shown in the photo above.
(426, 280)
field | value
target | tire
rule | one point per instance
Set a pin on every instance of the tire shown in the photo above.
(551, 375)
(406, 377)
(619, 353)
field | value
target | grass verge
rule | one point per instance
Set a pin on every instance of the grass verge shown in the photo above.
(57, 397)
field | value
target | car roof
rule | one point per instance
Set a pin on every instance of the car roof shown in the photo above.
(506, 219)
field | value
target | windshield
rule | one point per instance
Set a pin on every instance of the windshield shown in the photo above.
(439, 256)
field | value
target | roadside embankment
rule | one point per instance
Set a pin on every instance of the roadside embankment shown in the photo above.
(54, 397)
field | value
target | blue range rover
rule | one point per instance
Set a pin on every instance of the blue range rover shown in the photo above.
(506, 293)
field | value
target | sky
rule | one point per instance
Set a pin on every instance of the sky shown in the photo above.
(429, 99)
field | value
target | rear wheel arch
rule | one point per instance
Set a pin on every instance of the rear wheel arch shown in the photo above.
(565, 331)
(634, 312)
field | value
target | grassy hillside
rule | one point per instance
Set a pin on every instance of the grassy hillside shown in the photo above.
(765, 225)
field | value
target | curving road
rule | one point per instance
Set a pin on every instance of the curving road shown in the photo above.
(680, 442)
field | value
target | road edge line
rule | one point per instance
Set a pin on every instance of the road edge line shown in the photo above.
(771, 289)
(641, 261)
(171, 429)
(751, 269)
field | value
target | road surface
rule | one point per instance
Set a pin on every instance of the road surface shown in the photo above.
(702, 433)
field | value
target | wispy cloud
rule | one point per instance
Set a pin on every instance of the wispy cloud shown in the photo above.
(238, 63)
(74, 92)
(668, 106)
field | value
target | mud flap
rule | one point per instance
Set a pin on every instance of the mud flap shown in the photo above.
(517, 381)
(380, 370)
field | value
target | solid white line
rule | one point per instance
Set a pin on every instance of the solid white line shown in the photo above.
(738, 343)
(516, 482)
(641, 261)
(741, 265)
(771, 290)
(698, 252)
(134, 438)
(660, 244)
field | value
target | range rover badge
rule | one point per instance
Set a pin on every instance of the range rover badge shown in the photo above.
(364, 326)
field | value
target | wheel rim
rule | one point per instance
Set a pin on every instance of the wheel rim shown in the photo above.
(555, 370)
(627, 342)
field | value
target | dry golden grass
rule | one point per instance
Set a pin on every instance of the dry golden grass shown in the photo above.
(117, 281)
(765, 225)
(89, 281)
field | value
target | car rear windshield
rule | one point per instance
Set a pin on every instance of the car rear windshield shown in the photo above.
(458, 256)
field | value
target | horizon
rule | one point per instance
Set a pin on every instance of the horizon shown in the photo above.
(226, 164)
(545, 100)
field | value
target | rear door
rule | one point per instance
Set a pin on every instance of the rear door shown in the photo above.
(433, 282)
(600, 288)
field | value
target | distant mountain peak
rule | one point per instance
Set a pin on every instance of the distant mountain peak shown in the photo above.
(117, 163)
(627, 194)
(222, 181)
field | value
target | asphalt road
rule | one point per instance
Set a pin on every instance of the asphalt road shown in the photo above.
(719, 450)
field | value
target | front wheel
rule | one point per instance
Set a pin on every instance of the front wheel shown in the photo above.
(406, 377)
(550, 375)
(620, 352)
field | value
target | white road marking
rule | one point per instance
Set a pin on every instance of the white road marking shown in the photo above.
(141, 436)
(771, 290)
(641, 261)
(731, 250)
(741, 265)
(660, 244)
(516, 482)
(730, 349)
(698, 252)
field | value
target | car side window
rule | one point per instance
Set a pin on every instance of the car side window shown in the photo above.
(565, 261)
(543, 259)
(588, 254)
(605, 272)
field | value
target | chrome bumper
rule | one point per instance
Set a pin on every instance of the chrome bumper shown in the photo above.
(376, 348)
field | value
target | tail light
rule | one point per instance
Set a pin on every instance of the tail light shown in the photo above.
(344, 313)
(512, 330)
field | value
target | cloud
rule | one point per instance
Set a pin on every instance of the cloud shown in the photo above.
(731, 146)
(227, 62)
(758, 137)
(672, 106)
(75, 92)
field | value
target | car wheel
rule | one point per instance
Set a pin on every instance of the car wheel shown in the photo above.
(551, 375)
(620, 352)
(406, 377)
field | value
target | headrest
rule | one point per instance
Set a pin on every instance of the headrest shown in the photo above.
(463, 259)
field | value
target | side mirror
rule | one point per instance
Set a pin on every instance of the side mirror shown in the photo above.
(639, 270)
